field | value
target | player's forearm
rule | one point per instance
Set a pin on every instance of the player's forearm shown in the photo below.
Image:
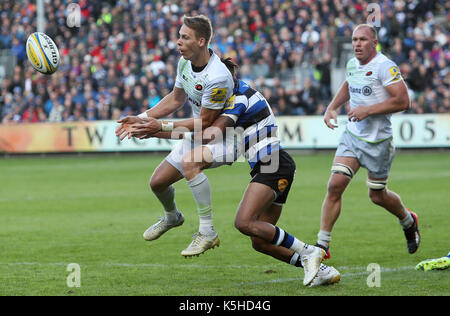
(189, 124)
(391, 105)
(341, 97)
(166, 106)
(217, 130)
(169, 135)
(193, 124)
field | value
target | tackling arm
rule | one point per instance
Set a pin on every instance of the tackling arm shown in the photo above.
(217, 128)
(152, 126)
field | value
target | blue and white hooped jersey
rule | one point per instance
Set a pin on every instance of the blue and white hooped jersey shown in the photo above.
(251, 112)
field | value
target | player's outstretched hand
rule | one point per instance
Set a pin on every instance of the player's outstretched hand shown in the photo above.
(147, 128)
(124, 129)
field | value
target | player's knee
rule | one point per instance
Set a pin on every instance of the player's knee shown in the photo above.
(336, 188)
(244, 226)
(337, 184)
(377, 196)
(240, 226)
(157, 183)
(376, 185)
(340, 168)
(190, 165)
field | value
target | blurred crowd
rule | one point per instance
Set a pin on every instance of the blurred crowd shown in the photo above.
(122, 58)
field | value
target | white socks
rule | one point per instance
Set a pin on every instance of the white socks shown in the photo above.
(201, 190)
(407, 221)
(324, 238)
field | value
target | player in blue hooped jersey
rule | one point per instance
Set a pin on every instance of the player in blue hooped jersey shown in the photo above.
(249, 117)
(272, 172)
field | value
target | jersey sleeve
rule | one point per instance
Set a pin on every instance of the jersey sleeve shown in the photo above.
(235, 107)
(217, 93)
(389, 73)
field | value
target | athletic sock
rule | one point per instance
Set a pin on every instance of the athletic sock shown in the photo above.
(201, 190)
(407, 222)
(167, 199)
(286, 240)
(295, 260)
(324, 238)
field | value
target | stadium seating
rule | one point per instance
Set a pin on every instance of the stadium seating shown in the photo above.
(122, 59)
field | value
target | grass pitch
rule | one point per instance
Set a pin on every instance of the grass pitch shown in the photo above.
(93, 210)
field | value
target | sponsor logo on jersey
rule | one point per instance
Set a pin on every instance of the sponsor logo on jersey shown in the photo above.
(198, 87)
(366, 90)
(369, 73)
(395, 73)
(218, 95)
(229, 105)
(194, 102)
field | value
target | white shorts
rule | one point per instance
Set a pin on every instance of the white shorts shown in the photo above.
(224, 153)
(375, 157)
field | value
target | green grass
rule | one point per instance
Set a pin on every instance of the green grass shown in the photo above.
(93, 210)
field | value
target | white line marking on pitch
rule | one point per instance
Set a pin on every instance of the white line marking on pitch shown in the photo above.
(344, 275)
(198, 266)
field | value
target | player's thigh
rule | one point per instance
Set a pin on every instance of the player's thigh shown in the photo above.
(271, 214)
(351, 162)
(164, 175)
(339, 181)
(200, 156)
(220, 154)
(257, 199)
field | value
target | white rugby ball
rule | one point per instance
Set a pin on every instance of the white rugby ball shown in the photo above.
(42, 53)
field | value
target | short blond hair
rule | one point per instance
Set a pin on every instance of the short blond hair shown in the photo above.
(370, 27)
(201, 25)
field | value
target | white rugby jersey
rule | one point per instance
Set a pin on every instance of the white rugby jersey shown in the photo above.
(251, 111)
(366, 87)
(210, 88)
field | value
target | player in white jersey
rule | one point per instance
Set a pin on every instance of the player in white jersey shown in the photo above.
(207, 84)
(272, 172)
(375, 89)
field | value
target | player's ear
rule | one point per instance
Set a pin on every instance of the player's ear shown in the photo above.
(202, 41)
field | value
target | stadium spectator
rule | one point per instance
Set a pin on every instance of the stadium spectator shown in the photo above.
(119, 42)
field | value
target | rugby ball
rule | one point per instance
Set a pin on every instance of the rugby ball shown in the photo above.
(42, 53)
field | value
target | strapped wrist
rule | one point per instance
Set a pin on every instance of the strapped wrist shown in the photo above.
(166, 126)
(143, 115)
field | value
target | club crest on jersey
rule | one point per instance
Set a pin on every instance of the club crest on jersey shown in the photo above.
(282, 184)
(369, 73)
(198, 87)
(218, 95)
